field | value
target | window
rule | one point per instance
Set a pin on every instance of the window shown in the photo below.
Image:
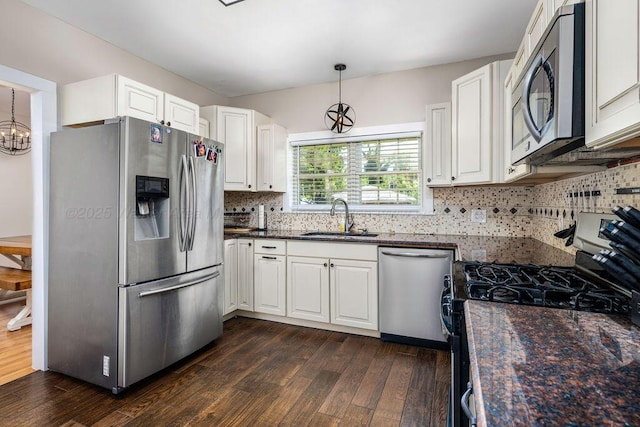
(371, 172)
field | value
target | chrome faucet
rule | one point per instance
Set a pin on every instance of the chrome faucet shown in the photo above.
(347, 224)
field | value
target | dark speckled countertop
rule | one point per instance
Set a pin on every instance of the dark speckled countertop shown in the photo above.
(535, 366)
(469, 248)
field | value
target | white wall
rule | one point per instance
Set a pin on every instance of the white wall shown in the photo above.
(398, 97)
(44, 46)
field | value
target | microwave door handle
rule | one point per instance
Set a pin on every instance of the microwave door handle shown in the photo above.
(526, 107)
(528, 117)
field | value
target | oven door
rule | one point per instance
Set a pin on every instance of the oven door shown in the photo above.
(452, 319)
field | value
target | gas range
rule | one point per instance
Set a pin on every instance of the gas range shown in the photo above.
(554, 287)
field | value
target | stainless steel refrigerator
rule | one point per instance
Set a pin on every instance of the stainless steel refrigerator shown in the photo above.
(135, 250)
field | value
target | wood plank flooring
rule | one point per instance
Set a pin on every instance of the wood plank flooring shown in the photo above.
(15, 347)
(258, 374)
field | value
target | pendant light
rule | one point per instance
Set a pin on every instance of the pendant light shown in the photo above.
(15, 137)
(340, 117)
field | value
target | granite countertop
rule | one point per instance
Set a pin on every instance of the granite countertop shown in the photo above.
(520, 250)
(536, 366)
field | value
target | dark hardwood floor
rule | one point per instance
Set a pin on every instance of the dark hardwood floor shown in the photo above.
(258, 374)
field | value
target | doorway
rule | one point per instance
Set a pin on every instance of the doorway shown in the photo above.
(43, 115)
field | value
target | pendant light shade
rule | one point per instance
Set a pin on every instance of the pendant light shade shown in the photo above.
(340, 117)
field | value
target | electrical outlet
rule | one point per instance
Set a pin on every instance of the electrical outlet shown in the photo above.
(478, 215)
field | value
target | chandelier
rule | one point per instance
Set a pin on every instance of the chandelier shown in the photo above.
(15, 137)
(340, 117)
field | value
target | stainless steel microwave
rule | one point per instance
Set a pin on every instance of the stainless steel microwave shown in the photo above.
(548, 99)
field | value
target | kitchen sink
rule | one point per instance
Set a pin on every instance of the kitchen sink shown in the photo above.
(337, 234)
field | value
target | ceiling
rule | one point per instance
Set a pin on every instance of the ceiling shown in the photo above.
(263, 45)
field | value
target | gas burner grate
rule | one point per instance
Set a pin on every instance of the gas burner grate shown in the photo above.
(555, 287)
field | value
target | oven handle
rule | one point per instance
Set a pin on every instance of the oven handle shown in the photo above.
(465, 405)
(526, 109)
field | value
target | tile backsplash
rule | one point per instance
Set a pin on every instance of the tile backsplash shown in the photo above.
(519, 211)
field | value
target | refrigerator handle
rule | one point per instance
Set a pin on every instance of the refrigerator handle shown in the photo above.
(194, 203)
(184, 198)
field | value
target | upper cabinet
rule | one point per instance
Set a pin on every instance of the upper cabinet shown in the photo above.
(612, 74)
(438, 145)
(255, 148)
(536, 27)
(203, 125)
(477, 125)
(271, 164)
(114, 95)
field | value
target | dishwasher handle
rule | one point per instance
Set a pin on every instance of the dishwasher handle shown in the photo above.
(415, 255)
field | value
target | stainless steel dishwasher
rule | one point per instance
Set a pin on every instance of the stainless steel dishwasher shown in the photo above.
(410, 285)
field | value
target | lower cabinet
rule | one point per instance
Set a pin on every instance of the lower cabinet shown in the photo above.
(333, 290)
(245, 274)
(354, 293)
(238, 275)
(269, 281)
(230, 276)
(308, 288)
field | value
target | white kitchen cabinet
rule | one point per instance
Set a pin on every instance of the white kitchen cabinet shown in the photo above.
(238, 275)
(270, 281)
(354, 293)
(245, 274)
(536, 27)
(477, 125)
(113, 95)
(518, 62)
(511, 173)
(230, 276)
(554, 5)
(203, 125)
(272, 158)
(237, 129)
(308, 288)
(438, 145)
(336, 283)
(612, 72)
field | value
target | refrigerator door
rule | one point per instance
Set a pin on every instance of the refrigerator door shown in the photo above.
(150, 229)
(206, 225)
(163, 321)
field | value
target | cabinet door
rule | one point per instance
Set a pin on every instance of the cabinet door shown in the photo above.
(181, 114)
(511, 173)
(230, 276)
(265, 166)
(354, 293)
(308, 288)
(245, 274)
(138, 100)
(235, 128)
(472, 127)
(270, 284)
(612, 72)
(272, 158)
(438, 145)
(537, 26)
(518, 63)
(203, 128)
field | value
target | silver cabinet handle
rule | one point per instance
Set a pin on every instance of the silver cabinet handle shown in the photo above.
(415, 255)
(180, 286)
(464, 401)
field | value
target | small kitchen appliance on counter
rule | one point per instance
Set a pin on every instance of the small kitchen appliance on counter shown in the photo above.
(592, 285)
(135, 250)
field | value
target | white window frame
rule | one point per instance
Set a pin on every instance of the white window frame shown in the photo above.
(362, 134)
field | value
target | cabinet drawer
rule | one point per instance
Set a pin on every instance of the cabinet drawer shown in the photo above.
(356, 251)
(276, 247)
